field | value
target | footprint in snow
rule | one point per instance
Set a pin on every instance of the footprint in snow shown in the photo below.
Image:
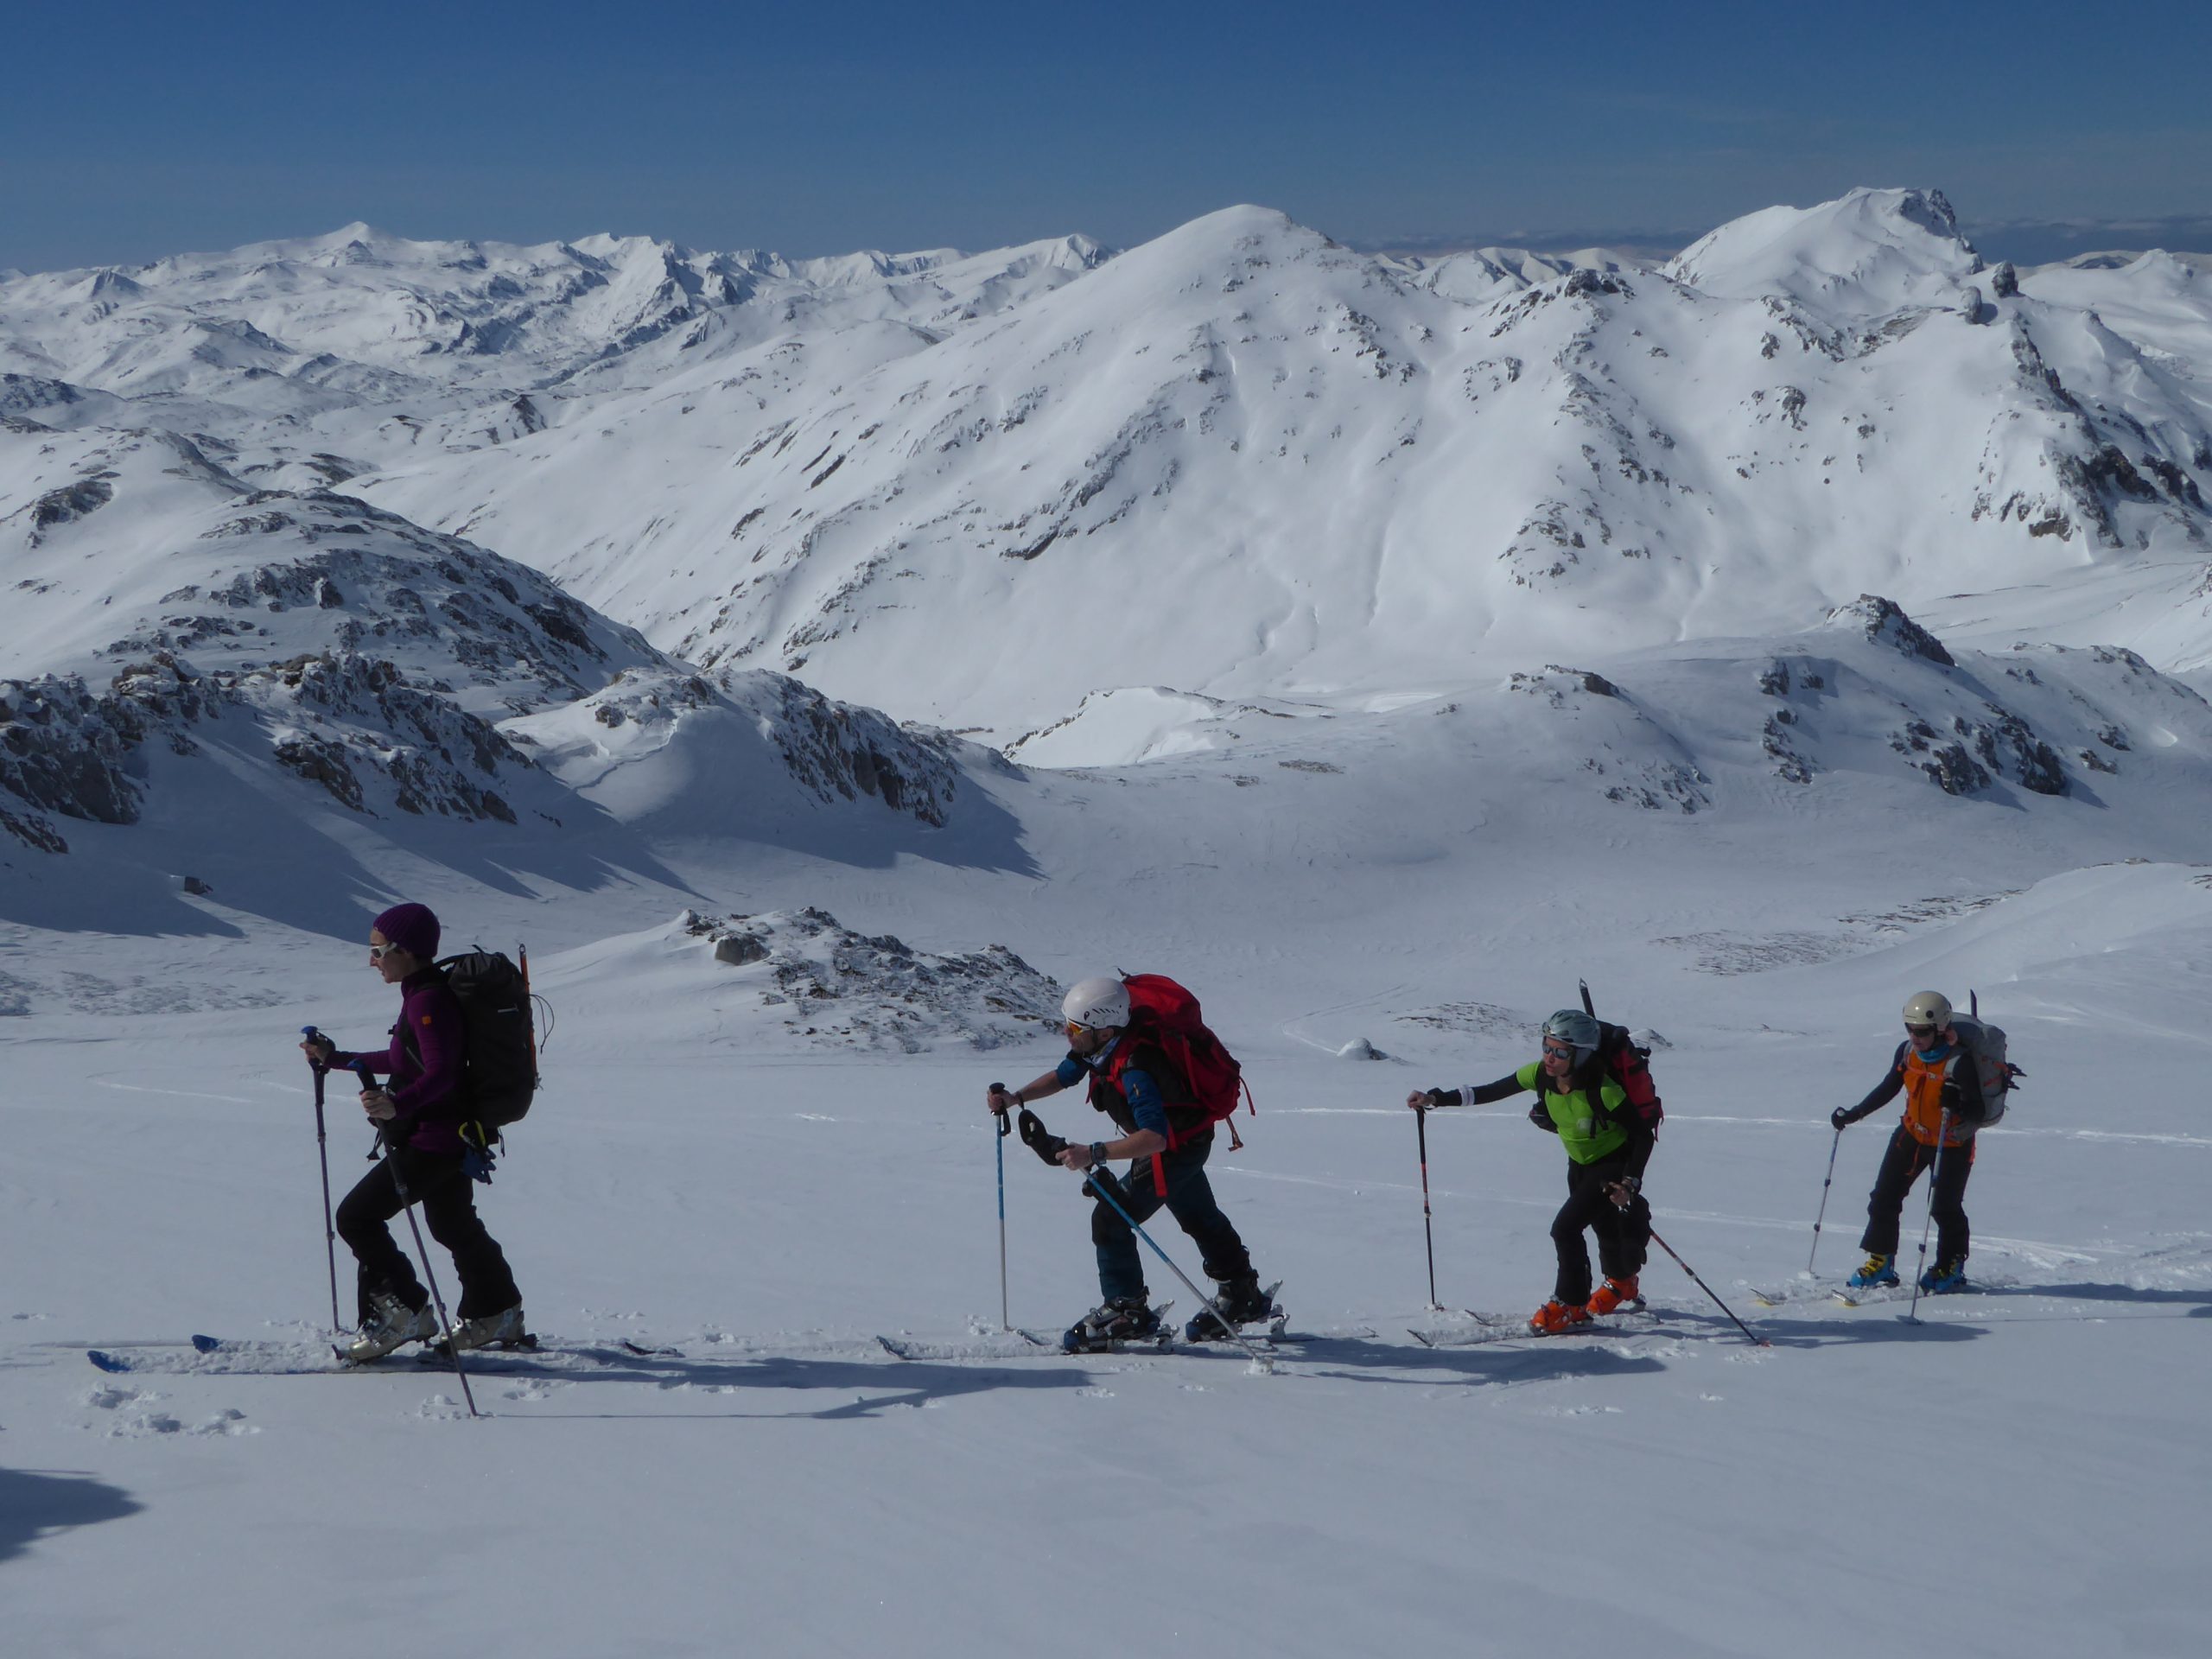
(145, 1423)
(111, 1398)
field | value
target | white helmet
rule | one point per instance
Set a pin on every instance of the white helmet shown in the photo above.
(1927, 1008)
(1097, 1004)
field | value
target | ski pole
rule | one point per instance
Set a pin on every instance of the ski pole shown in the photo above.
(1827, 1181)
(998, 1145)
(1757, 1340)
(453, 1350)
(1099, 1180)
(322, 1152)
(1935, 1174)
(1421, 1130)
(407, 1203)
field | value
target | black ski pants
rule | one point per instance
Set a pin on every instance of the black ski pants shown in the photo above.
(1189, 1199)
(1900, 1167)
(437, 1181)
(1623, 1235)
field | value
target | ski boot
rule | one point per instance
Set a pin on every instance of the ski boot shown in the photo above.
(1945, 1277)
(1241, 1300)
(390, 1324)
(504, 1329)
(1125, 1319)
(1877, 1269)
(1616, 1293)
(1556, 1316)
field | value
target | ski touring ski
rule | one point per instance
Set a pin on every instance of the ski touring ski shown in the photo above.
(222, 1355)
(1634, 1319)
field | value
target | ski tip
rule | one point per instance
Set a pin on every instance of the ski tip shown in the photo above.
(107, 1362)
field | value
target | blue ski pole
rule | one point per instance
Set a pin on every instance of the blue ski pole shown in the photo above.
(1102, 1181)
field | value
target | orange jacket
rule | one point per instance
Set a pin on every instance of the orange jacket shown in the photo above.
(1923, 1098)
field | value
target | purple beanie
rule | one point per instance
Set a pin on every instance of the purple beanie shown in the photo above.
(412, 928)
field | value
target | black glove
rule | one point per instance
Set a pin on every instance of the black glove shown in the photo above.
(1041, 1139)
(1841, 1117)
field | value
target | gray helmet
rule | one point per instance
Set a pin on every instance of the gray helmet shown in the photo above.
(1574, 1026)
(1927, 1008)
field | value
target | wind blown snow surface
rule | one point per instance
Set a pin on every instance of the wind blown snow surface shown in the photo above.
(1317, 702)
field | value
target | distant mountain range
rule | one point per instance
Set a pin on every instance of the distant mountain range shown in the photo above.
(473, 530)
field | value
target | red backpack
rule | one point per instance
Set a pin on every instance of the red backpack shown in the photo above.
(1629, 1064)
(1631, 1068)
(1164, 1013)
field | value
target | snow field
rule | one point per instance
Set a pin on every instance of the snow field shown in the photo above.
(786, 1478)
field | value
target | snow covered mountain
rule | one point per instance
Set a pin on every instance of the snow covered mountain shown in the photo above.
(1300, 469)
(1242, 462)
(177, 637)
(281, 352)
(1098, 509)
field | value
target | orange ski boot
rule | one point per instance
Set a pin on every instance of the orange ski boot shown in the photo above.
(1556, 1316)
(1615, 1294)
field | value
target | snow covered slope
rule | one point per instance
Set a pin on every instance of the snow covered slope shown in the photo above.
(177, 637)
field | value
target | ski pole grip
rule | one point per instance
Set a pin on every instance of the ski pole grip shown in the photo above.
(1006, 1128)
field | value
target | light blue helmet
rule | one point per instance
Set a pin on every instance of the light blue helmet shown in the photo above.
(1574, 1026)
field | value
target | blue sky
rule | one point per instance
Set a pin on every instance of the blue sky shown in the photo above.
(130, 131)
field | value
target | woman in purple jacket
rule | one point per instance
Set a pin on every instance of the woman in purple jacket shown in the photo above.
(419, 1116)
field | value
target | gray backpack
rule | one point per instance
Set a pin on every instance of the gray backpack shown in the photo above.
(1983, 1045)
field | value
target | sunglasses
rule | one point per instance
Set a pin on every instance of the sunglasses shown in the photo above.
(1920, 1033)
(378, 952)
(1564, 1050)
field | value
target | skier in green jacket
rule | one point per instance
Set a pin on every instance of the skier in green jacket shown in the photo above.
(1608, 1143)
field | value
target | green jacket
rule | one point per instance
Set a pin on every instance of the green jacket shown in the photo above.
(1588, 1132)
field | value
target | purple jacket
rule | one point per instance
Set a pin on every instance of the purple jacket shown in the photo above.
(424, 1062)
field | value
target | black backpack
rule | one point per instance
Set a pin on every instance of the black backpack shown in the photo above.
(499, 1068)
